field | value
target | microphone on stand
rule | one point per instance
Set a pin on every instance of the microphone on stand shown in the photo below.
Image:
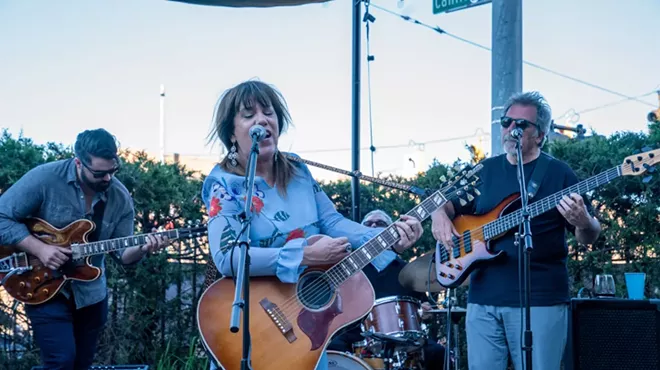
(257, 133)
(517, 133)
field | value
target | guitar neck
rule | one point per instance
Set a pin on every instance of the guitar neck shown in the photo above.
(514, 219)
(362, 256)
(111, 245)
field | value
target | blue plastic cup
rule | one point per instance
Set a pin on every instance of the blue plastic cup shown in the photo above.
(635, 284)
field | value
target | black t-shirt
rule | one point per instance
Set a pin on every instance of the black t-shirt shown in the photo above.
(498, 283)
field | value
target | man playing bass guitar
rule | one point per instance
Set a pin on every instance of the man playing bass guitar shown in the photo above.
(494, 322)
(67, 326)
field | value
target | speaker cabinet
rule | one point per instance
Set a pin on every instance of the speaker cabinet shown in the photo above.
(614, 334)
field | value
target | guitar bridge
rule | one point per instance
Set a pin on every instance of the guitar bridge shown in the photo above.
(279, 319)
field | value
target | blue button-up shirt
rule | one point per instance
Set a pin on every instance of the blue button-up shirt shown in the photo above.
(51, 192)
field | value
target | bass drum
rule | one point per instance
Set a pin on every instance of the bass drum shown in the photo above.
(345, 361)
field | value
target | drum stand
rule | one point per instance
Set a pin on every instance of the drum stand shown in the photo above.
(449, 302)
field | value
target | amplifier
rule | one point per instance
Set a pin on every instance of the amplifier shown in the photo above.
(614, 334)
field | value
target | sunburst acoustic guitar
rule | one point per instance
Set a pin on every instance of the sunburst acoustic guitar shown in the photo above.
(455, 267)
(291, 324)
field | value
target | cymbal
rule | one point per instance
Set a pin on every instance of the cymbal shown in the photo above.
(415, 275)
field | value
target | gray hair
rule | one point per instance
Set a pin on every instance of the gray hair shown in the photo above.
(543, 110)
(387, 218)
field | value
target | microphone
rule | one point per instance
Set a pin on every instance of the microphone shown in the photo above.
(257, 133)
(517, 133)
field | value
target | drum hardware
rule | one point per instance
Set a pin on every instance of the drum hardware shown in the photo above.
(398, 317)
(420, 275)
(449, 303)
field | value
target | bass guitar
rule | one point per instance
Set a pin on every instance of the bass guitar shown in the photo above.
(455, 267)
(291, 324)
(27, 280)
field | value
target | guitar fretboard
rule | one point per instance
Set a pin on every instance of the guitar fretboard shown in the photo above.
(361, 257)
(105, 246)
(514, 219)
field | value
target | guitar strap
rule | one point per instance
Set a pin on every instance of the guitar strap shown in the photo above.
(538, 174)
(97, 219)
(99, 210)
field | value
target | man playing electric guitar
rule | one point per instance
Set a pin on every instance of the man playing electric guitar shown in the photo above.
(67, 327)
(494, 322)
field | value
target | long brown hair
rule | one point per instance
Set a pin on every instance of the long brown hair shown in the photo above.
(248, 94)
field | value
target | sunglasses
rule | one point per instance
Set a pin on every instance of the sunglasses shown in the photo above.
(101, 174)
(520, 122)
(377, 223)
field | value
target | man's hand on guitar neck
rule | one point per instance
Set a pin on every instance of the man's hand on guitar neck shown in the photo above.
(154, 244)
(442, 228)
(50, 256)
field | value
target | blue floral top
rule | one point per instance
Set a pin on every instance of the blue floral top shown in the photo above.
(279, 226)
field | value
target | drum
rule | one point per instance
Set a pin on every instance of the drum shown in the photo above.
(398, 317)
(345, 361)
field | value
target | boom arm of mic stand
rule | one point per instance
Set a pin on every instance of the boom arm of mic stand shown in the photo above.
(358, 175)
(525, 253)
(243, 275)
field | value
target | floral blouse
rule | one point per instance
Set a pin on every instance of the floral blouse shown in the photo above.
(280, 225)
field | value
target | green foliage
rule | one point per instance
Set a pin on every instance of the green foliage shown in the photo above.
(627, 209)
(21, 154)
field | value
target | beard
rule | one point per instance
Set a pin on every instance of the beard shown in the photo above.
(509, 146)
(98, 187)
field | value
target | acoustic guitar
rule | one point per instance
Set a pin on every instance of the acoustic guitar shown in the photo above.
(453, 269)
(26, 279)
(291, 324)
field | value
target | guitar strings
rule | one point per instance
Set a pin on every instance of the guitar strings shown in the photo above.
(316, 289)
(509, 220)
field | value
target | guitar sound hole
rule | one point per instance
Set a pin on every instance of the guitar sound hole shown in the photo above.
(314, 290)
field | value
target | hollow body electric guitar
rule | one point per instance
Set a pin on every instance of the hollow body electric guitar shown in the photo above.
(26, 279)
(291, 324)
(454, 267)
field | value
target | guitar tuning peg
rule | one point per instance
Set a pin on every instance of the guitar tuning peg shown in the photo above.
(647, 149)
(476, 191)
(647, 179)
(462, 201)
(470, 197)
(443, 178)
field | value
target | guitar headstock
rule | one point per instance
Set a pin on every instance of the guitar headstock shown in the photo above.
(637, 164)
(194, 230)
(463, 185)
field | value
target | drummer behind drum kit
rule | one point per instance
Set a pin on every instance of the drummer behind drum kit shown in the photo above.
(393, 330)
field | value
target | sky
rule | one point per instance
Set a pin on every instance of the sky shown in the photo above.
(67, 66)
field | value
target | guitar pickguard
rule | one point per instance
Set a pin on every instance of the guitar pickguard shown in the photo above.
(315, 324)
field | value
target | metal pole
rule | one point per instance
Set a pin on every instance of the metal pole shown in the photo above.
(162, 124)
(355, 183)
(506, 62)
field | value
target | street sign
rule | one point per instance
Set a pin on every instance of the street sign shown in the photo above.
(448, 6)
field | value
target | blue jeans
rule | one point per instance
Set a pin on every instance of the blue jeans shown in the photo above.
(493, 333)
(66, 336)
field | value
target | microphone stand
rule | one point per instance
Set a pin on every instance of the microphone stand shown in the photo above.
(243, 275)
(527, 235)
